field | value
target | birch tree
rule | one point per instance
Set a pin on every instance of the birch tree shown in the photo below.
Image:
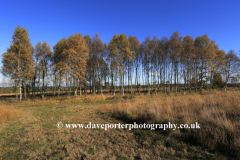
(175, 47)
(231, 66)
(98, 53)
(134, 46)
(119, 52)
(18, 60)
(43, 55)
(75, 57)
(58, 60)
(187, 59)
(203, 53)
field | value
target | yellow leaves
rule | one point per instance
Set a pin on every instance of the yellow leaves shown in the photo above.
(120, 52)
(18, 61)
(70, 56)
(134, 43)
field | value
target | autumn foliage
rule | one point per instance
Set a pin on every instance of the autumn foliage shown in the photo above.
(80, 63)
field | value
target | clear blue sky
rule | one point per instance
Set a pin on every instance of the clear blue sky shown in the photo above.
(54, 19)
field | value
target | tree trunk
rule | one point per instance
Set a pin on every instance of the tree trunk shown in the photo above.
(20, 87)
(225, 85)
(75, 87)
(195, 77)
(55, 83)
(101, 89)
(38, 84)
(111, 88)
(136, 80)
(176, 77)
(69, 94)
(43, 86)
(122, 86)
(80, 90)
(139, 85)
(210, 83)
(34, 86)
(114, 90)
(94, 89)
(202, 78)
(148, 86)
(25, 93)
(16, 89)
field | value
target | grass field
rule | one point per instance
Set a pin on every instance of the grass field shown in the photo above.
(28, 129)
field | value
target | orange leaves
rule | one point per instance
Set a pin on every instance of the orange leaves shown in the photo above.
(70, 56)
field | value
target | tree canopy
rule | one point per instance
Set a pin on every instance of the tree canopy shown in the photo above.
(81, 63)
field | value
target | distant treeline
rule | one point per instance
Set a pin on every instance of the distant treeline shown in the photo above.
(50, 90)
(155, 63)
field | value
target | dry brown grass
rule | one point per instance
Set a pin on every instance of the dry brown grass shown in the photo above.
(218, 115)
(35, 136)
(7, 114)
(55, 100)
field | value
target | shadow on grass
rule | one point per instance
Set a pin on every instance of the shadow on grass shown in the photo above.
(170, 139)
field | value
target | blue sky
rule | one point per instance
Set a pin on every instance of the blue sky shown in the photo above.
(54, 19)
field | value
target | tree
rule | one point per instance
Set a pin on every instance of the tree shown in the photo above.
(58, 60)
(166, 62)
(9, 66)
(119, 53)
(156, 58)
(89, 74)
(203, 53)
(18, 60)
(175, 49)
(148, 48)
(215, 63)
(187, 59)
(134, 46)
(75, 59)
(43, 55)
(97, 57)
(231, 66)
(158, 62)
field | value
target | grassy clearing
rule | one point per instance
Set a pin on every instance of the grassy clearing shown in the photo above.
(34, 134)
